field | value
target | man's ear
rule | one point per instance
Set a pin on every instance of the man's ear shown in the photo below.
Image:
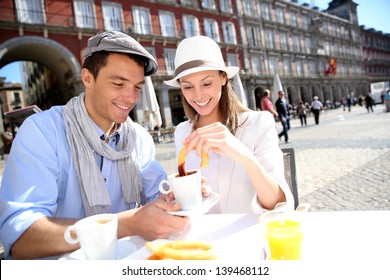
(86, 77)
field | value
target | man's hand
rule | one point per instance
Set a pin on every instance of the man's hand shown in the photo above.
(152, 221)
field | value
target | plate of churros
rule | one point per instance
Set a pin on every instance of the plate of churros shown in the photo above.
(207, 203)
(164, 249)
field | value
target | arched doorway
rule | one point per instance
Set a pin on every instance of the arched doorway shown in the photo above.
(45, 52)
(258, 92)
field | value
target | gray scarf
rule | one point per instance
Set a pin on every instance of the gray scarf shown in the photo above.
(84, 140)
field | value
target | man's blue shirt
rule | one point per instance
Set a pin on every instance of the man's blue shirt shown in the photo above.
(39, 178)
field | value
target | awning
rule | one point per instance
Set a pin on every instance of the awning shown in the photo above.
(19, 115)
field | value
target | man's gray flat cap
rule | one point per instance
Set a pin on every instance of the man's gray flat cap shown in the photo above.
(115, 41)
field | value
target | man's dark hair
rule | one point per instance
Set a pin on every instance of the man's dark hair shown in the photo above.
(99, 59)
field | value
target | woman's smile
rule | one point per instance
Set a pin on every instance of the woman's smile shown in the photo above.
(203, 103)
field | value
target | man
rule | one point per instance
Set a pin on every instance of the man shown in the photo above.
(316, 107)
(282, 109)
(85, 158)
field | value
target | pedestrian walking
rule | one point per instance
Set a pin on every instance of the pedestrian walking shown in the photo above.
(302, 111)
(369, 102)
(349, 103)
(283, 113)
(316, 107)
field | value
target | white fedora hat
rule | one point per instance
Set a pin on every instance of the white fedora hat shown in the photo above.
(199, 53)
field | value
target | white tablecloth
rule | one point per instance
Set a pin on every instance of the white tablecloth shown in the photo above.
(344, 236)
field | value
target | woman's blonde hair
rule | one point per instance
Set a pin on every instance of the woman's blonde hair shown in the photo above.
(229, 106)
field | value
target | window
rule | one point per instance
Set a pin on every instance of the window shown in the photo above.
(17, 97)
(308, 44)
(249, 8)
(141, 17)
(113, 16)
(305, 22)
(211, 29)
(300, 69)
(270, 39)
(273, 65)
(333, 29)
(256, 65)
(152, 51)
(287, 66)
(325, 27)
(293, 19)
(30, 11)
(327, 48)
(312, 67)
(229, 33)
(208, 4)
(226, 6)
(253, 38)
(168, 24)
(266, 11)
(187, 2)
(280, 15)
(169, 55)
(191, 26)
(85, 14)
(232, 59)
(297, 43)
(284, 41)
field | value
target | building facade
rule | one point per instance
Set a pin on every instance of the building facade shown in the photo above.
(313, 52)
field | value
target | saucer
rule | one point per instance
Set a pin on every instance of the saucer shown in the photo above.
(144, 252)
(207, 203)
(124, 249)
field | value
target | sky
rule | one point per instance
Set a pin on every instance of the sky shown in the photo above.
(371, 14)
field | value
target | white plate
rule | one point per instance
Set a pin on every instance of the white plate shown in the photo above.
(124, 249)
(207, 203)
(144, 252)
(222, 251)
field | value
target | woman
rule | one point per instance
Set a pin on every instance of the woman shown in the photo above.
(301, 110)
(266, 103)
(245, 163)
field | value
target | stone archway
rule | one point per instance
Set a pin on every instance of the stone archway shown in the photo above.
(258, 93)
(326, 95)
(304, 94)
(50, 54)
(292, 97)
(314, 92)
(336, 96)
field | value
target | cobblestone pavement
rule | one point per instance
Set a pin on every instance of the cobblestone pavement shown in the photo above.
(342, 164)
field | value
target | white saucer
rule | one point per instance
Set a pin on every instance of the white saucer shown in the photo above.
(124, 249)
(144, 252)
(207, 203)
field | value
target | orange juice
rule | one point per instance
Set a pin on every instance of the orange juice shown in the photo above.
(284, 239)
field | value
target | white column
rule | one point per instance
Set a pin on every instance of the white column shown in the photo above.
(165, 107)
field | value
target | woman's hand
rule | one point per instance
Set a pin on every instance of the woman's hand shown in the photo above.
(217, 138)
(206, 189)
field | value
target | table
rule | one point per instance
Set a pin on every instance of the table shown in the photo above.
(338, 235)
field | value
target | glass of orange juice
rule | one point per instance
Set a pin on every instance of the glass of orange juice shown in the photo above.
(284, 238)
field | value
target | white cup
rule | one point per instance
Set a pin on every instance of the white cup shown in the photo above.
(186, 189)
(97, 236)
